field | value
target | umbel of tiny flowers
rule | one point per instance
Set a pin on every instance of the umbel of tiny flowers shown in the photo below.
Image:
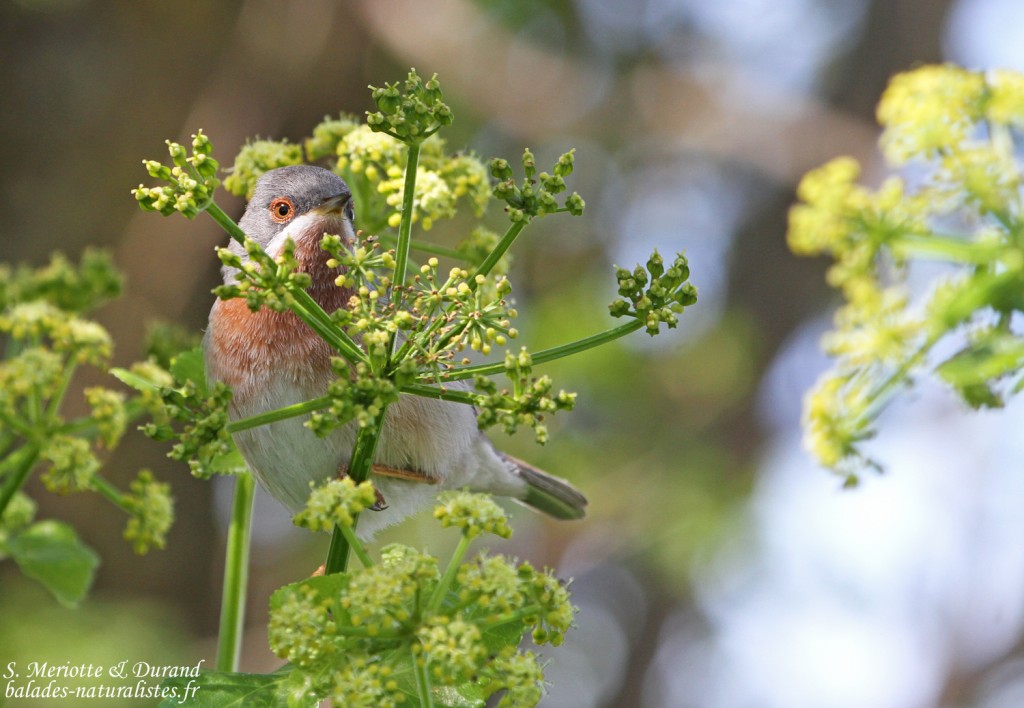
(401, 630)
(959, 130)
(47, 338)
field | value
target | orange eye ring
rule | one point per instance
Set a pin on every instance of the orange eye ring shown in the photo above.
(282, 210)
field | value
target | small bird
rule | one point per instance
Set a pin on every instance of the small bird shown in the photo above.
(273, 359)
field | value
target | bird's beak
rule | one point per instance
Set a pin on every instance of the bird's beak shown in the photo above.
(333, 205)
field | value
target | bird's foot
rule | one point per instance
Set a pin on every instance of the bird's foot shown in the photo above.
(384, 471)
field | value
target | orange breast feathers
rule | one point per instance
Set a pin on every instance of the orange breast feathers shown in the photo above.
(245, 348)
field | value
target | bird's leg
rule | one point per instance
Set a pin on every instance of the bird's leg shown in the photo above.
(385, 471)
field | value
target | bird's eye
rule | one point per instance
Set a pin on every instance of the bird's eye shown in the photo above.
(282, 209)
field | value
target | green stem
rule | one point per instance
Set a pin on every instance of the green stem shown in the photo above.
(16, 469)
(356, 545)
(236, 575)
(437, 597)
(564, 350)
(405, 226)
(359, 470)
(58, 398)
(513, 616)
(7, 439)
(422, 680)
(946, 248)
(499, 251)
(111, 493)
(292, 411)
(17, 424)
(442, 394)
(225, 222)
(427, 247)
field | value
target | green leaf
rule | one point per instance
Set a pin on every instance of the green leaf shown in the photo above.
(133, 380)
(231, 463)
(972, 370)
(190, 366)
(50, 552)
(222, 689)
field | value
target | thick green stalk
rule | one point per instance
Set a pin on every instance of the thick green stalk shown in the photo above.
(292, 411)
(449, 575)
(499, 250)
(545, 355)
(236, 575)
(16, 468)
(422, 680)
(111, 493)
(225, 222)
(405, 226)
(441, 394)
(356, 545)
(359, 470)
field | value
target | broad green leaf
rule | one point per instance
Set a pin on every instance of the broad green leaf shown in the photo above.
(135, 381)
(223, 689)
(974, 368)
(50, 552)
(189, 366)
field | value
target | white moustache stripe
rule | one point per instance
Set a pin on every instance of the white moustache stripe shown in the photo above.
(299, 226)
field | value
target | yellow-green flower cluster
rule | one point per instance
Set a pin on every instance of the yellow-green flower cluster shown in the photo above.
(335, 503)
(257, 157)
(108, 413)
(385, 597)
(450, 646)
(190, 183)
(433, 199)
(959, 125)
(838, 414)
(70, 464)
(48, 338)
(473, 513)
(152, 509)
(62, 284)
(368, 636)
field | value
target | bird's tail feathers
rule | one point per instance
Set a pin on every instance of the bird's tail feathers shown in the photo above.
(544, 492)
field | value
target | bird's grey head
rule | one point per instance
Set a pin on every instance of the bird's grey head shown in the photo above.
(291, 201)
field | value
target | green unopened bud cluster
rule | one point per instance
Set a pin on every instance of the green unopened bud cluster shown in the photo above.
(190, 181)
(202, 439)
(527, 402)
(356, 395)
(536, 194)
(654, 295)
(410, 113)
(263, 281)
